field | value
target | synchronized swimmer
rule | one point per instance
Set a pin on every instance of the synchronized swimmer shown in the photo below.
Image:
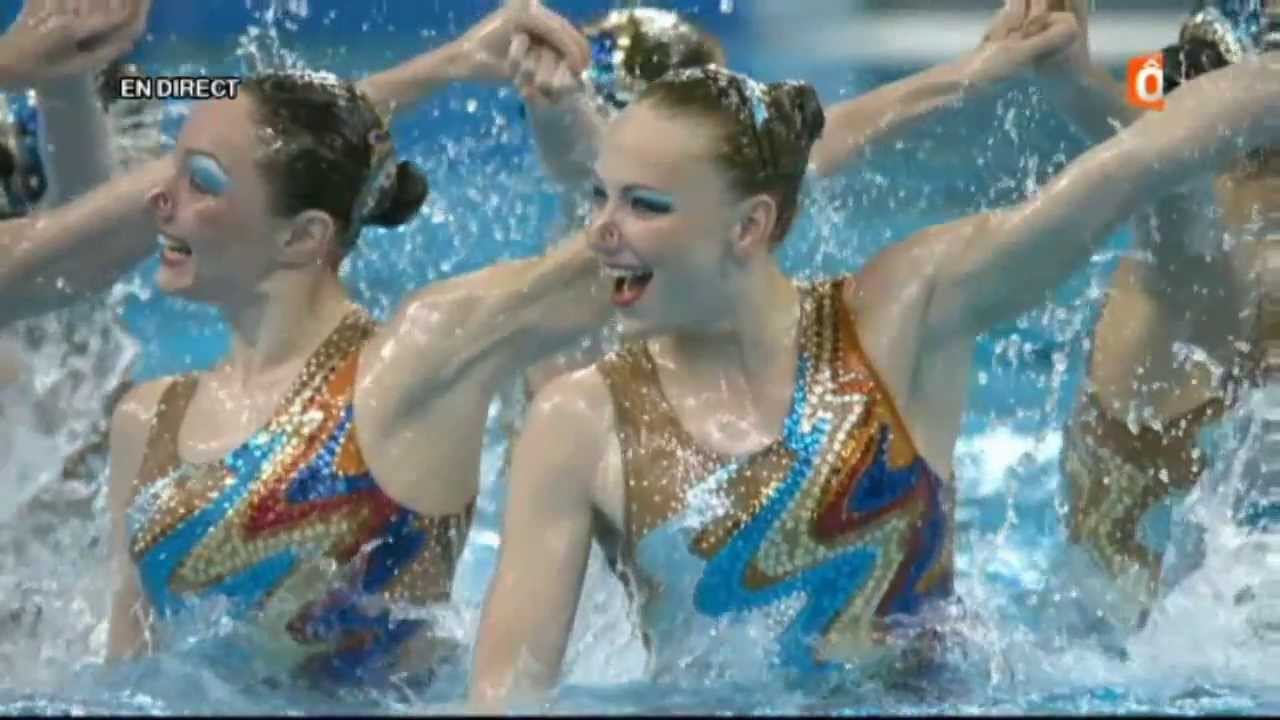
(764, 461)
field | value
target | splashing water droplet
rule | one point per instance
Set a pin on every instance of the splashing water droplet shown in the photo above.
(726, 6)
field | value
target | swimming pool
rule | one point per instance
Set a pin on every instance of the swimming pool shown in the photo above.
(489, 202)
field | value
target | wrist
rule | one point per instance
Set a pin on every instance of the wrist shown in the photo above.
(449, 63)
(72, 90)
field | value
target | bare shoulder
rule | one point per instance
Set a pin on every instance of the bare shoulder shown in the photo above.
(130, 424)
(566, 431)
(137, 407)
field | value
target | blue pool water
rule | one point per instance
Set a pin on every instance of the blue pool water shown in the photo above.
(491, 202)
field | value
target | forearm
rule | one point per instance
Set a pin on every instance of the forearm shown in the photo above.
(412, 81)
(1093, 101)
(551, 302)
(75, 138)
(890, 109)
(505, 317)
(54, 257)
(1008, 260)
(567, 137)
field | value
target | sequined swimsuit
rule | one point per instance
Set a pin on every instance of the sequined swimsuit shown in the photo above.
(291, 528)
(1122, 485)
(818, 539)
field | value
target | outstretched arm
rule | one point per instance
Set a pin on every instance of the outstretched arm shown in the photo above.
(993, 266)
(546, 537)
(481, 54)
(889, 110)
(879, 115)
(52, 259)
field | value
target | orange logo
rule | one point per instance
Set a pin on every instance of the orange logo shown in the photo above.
(1146, 81)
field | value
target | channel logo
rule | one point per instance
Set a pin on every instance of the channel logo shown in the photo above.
(1146, 81)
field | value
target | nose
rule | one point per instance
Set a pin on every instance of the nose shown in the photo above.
(605, 237)
(160, 200)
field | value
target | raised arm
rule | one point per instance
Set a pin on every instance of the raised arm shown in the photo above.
(1090, 98)
(546, 537)
(993, 266)
(75, 138)
(894, 108)
(483, 54)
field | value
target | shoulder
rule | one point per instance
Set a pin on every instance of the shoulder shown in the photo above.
(137, 408)
(567, 430)
(131, 421)
(579, 400)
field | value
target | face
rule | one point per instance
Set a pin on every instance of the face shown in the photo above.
(666, 225)
(218, 235)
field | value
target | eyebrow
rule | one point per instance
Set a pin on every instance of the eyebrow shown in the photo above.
(630, 189)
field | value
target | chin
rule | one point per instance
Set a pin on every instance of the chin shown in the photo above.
(178, 283)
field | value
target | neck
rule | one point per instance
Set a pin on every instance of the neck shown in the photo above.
(277, 327)
(758, 336)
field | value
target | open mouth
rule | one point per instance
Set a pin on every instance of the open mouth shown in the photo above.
(629, 283)
(173, 250)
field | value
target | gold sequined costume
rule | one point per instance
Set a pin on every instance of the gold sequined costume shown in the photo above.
(291, 526)
(824, 535)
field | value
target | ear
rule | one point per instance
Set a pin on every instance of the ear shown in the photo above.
(309, 238)
(757, 218)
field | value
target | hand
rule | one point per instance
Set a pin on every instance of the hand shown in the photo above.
(541, 75)
(484, 52)
(56, 38)
(1026, 35)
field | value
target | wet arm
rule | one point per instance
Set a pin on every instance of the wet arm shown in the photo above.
(567, 135)
(888, 110)
(994, 266)
(414, 80)
(127, 625)
(75, 138)
(546, 536)
(501, 319)
(1092, 100)
(53, 258)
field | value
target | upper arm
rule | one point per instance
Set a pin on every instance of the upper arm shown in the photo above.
(996, 265)
(130, 423)
(546, 537)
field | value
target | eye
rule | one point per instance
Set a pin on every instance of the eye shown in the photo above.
(598, 196)
(643, 202)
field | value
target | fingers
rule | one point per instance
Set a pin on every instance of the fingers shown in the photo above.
(516, 53)
(545, 74)
(542, 76)
(1058, 30)
(527, 70)
(1007, 21)
(558, 33)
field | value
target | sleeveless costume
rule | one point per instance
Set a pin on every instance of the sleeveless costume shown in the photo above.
(822, 536)
(291, 527)
(1123, 482)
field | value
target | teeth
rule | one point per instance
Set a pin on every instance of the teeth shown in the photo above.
(177, 246)
(617, 272)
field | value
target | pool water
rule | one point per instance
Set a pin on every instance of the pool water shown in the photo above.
(1023, 649)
